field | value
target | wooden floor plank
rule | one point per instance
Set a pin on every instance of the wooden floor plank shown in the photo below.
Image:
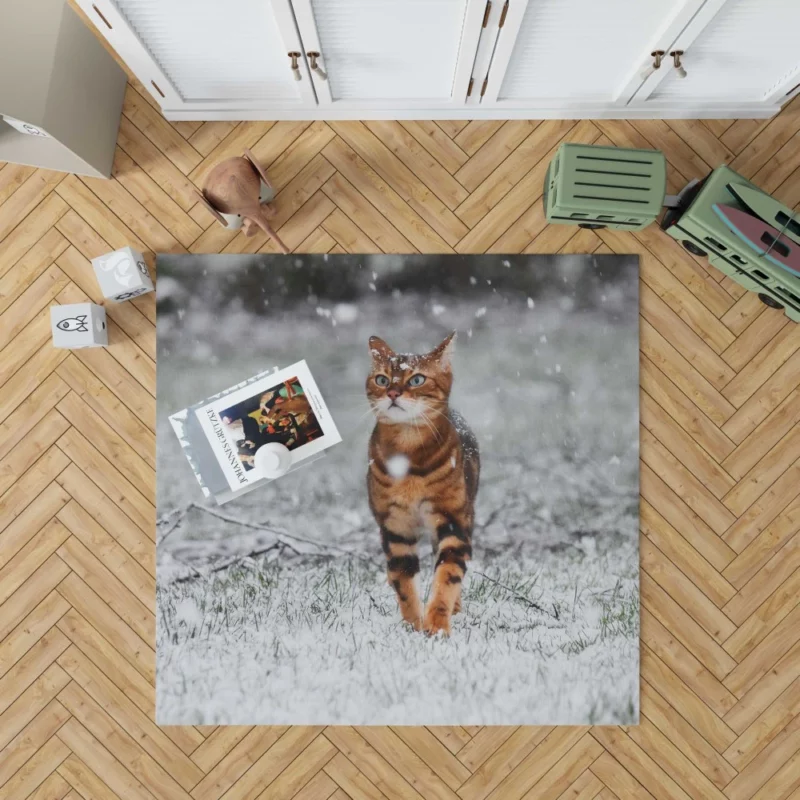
(417, 159)
(305, 766)
(684, 412)
(31, 592)
(108, 623)
(618, 781)
(85, 783)
(501, 180)
(160, 132)
(28, 537)
(12, 176)
(764, 400)
(26, 198)
(681, 588)
(405, 216)
(371, 222)
(681, 735)
(147, 192)
(287, 150)
(527, 188)
(30, 484)
(108, 478)
(759, 698)
(226, 773)
(31, 629)
(36, 770)
(437, 143)
(683, 519)
(107, 659)
(109, 517)
(493, 152)
(101, 762)
(17, 243)
(123, 759)
(130, 718)
(31, 266)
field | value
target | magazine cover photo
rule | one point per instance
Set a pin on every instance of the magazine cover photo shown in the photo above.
(465, 550)
(281, 414)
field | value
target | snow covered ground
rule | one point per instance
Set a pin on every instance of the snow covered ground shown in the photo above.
(275, 608)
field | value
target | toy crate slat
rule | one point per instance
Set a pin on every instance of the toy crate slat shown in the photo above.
(594, 186)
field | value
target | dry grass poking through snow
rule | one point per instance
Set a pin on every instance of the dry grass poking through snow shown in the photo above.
(541, 642)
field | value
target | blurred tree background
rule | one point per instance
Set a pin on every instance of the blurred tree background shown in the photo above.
(239, 280)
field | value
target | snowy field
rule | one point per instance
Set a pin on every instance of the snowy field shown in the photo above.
(275, 607)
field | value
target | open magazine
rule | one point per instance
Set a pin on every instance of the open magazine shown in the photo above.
(221, 434)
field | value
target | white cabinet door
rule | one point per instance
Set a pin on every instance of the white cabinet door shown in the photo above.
(206, 53)
(390, 53)
(573, 54)
(735, 51)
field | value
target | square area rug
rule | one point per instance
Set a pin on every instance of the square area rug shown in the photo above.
(467, 554)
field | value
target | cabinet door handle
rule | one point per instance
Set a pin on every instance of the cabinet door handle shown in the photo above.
(676, 60)
(312, 57)
(295, 66)
(657, 55)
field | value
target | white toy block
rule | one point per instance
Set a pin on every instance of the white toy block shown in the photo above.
(78, 325)
(122, 274)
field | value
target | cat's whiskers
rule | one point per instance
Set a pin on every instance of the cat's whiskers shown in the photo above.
(416, 428)
(430, 425)
(363, 417)
(436, 411)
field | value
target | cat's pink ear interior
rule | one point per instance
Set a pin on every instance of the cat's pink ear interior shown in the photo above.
(444, 352)
(378, 349)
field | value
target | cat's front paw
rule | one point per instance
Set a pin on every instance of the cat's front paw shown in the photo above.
(437, 620)
(414, 622)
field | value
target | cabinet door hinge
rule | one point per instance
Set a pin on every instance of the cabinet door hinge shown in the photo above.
(487, 12)
(503, 15)
(469, 88)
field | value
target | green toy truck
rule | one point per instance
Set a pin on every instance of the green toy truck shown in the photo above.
(701, 231)
(612, 187)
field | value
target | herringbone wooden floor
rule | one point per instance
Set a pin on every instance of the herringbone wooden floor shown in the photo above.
(720, 488)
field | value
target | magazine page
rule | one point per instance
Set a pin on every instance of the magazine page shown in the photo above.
(284, 406)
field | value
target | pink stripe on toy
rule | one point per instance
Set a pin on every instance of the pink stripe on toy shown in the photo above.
(764, 239)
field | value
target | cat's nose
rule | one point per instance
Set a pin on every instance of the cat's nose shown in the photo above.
(393, 394)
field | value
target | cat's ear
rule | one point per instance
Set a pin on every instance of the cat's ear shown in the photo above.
(444, 352)
(379, 350)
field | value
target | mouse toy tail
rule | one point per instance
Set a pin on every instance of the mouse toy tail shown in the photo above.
(263, 223)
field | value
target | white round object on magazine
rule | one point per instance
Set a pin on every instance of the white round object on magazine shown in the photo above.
(273, 459)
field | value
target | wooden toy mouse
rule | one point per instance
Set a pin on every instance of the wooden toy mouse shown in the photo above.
(234, 194)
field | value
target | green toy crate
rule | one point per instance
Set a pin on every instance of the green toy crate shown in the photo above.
(605, 187)
(697, 227)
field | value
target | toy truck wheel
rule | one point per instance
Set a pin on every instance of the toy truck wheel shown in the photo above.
(693, 248)
(769, 301)
(592, 226)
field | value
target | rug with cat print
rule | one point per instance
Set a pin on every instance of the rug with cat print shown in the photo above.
(467, 554)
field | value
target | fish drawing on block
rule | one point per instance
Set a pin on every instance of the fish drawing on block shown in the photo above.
(77, 324)
(763, 238)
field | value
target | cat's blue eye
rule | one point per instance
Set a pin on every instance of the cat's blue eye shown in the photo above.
(381, 380)
(416, 380)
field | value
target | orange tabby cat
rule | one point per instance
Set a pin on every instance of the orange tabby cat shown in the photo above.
(423, 477)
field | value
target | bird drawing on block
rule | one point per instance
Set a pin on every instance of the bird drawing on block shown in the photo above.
(233, 188)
